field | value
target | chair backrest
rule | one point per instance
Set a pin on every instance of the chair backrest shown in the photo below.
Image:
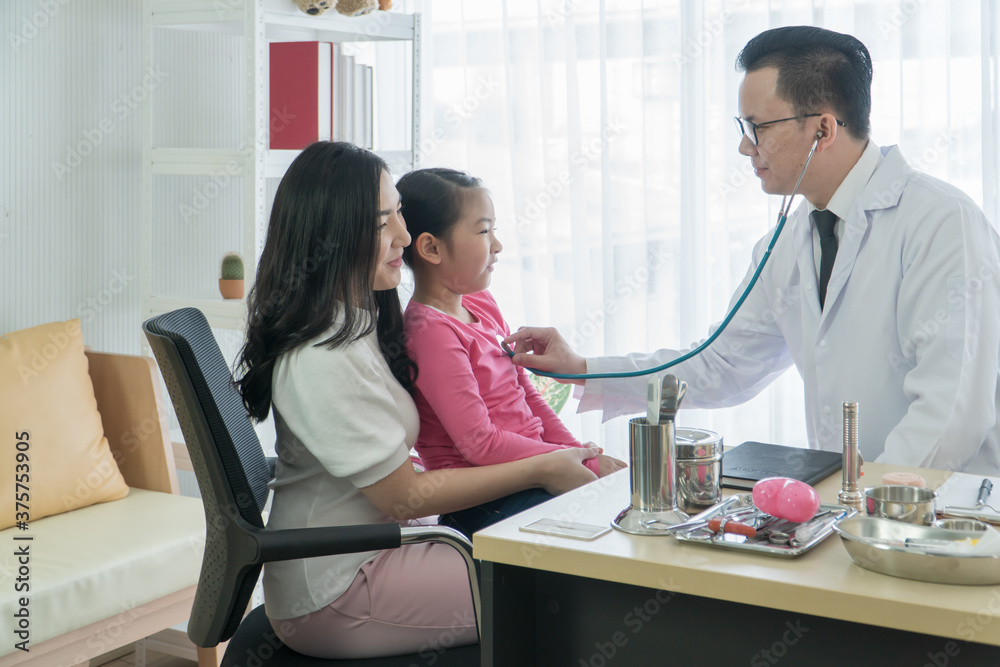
(228, 462)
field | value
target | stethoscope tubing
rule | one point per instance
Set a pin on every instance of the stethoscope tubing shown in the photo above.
(782, 218)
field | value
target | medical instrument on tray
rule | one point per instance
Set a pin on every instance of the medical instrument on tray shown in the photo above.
(786, 205)
(984, 493)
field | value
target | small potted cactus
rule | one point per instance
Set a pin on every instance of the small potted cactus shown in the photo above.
(231, 282)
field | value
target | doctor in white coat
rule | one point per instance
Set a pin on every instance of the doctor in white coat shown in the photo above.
(884, 287)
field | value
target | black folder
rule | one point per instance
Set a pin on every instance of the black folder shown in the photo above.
(749, 462)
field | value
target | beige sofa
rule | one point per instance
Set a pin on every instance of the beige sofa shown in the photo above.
(105, 576)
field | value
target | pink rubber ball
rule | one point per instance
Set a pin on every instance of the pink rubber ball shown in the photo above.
(786, 498)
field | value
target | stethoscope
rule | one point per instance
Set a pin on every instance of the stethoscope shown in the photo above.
(786, 205)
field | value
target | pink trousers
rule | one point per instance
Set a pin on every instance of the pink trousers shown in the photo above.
(414, 599)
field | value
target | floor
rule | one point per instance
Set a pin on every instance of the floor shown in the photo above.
(153, 659)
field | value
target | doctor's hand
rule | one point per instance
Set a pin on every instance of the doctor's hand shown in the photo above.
(543, 348)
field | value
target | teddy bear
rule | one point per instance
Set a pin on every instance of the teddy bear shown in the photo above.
(315, 7)
(345, 7)
(356, 7)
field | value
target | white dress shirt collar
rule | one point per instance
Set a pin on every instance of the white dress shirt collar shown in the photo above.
(855, 181)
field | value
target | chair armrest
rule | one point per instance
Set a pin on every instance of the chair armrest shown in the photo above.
(295, 543)
(462, 545)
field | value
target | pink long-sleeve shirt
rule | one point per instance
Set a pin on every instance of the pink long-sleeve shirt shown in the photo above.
(476, 407)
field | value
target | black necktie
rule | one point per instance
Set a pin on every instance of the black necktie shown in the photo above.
(825, 222)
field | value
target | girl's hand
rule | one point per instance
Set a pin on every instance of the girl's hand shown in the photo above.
(545, 349)
(609, 464)
(563, 470)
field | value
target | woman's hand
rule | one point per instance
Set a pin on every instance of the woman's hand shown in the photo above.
(563, 470)
(545, 349)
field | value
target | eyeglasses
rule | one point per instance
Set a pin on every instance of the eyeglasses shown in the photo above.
(741, 125)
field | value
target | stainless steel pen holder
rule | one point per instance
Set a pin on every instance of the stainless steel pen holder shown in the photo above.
(653, 471)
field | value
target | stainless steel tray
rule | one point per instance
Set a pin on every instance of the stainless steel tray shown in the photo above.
(894, 548)
(740, 506)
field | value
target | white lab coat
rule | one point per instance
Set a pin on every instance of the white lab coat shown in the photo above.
(911, 330)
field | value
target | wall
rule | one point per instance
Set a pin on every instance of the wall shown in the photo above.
(70, 181)
(71, 129)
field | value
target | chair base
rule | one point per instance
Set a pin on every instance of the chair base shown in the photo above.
(255, 644)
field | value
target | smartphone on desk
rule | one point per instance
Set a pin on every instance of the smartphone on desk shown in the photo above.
(580, 531)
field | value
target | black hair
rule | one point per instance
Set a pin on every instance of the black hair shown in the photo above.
(816, 67)
(432, 202)
(317, 264)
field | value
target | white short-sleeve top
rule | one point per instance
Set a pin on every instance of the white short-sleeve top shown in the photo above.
(343, 422)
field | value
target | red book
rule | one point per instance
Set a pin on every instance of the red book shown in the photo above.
(301, 93)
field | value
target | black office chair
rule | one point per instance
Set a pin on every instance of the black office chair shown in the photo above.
(232, 474)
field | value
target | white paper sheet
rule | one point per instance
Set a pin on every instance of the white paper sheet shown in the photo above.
(961, 490)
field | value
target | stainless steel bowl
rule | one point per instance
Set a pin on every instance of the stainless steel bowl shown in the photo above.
(904, 550)
(961, 524)
(900, 502)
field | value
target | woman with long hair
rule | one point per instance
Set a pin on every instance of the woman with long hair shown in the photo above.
(325, 351)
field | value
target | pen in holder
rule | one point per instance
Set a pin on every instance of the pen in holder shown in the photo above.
(653, 463)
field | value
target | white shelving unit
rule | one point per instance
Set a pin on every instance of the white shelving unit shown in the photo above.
(206, 187)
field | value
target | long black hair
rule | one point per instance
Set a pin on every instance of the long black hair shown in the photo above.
(432, 202)
(317, 265)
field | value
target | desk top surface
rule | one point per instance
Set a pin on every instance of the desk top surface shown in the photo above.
(824, 581)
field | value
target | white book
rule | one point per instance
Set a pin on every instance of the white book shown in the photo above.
(368, 112)
(325, 92)
(359, 105)
(347, 98)
(336, 112)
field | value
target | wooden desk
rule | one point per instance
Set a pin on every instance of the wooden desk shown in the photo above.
(648, 600)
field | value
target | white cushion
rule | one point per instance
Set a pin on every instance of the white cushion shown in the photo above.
(101, 561)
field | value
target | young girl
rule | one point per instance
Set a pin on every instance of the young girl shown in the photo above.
(476, 407)
(323, 350)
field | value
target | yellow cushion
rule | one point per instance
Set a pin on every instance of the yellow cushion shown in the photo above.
(57, 458)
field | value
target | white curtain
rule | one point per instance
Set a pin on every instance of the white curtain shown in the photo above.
(604, 131)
